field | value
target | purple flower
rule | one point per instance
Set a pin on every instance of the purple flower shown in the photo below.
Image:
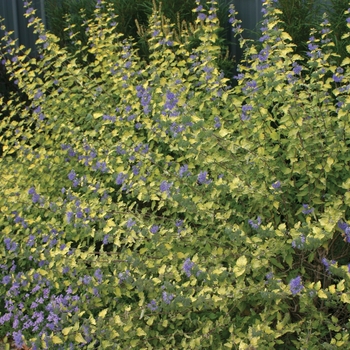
(165, 186)
(261, 39)
(154, 229)
(184, 171)
(263, 54)
(99, 275)
(130, 223)
(202, 178)
(327, 264)
(29, 10)
(337, 79)
(251, 86)
(187, 267)
(120, 178)
(246, 108)
(123, 276)
(69, 216)
(31, 191)
(345, 227)
(135, 169)
(312, 47)
(295, 285)
(105, 239)
(38, 95)
(202, 16)
(307, 210)
(72, 175)
(276, 185)
(299, 243)
(217, 122)
(6, 279)
(179, 223)
(17, 338)
(269, 275)
(152, 305)
(253, 224)
(35, 198)
(10, 246)
(296, 68)
(167, 298)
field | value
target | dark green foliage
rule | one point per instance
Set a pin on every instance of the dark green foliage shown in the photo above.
(299, 17)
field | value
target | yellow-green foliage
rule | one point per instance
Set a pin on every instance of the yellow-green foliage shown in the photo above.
(152, 206)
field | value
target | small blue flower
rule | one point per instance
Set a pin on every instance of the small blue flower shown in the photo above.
(10, 246)
(18, 339)
(155, 33)
(165, 186)
(253, 224)
(105, 239)
(72, 175)
(130, 223)
(295, 285)
(337, 79)
(154, 229)
(299, 243)
(307, 210)
(167, 298)
(99, 275)
(269, 275)
(276, 185)
(69, 216)
(187, 267)
(184, 171)
(123, 276)
(6, 279)
(217, 122)
(202, 178)
(312, 47)
(152, 305)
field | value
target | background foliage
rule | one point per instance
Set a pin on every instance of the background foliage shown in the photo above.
(300, 16)
(151, 204)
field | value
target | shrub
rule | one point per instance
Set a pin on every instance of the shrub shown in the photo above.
(154, 206)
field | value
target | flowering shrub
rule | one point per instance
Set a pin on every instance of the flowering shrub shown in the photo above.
(154, 206)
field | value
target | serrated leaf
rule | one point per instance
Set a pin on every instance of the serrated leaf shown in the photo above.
(240, 266)
(223, 132)
(140, 332)
(65, 331)
(102, 313)
(340, 286)
(150, 320)
(79, 338)
(345, 298)
(321, 294)
(97, 115)
(127, 327)
(56, 340)
(276, 263)
(162, 269)
(332, 289)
